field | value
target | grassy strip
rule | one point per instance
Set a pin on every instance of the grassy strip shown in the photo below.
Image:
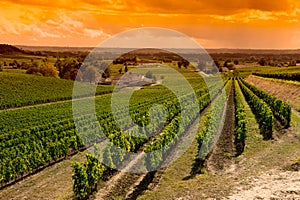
(262, 111)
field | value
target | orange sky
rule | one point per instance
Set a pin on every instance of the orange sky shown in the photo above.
(212, 23)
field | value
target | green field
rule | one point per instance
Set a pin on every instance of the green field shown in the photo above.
(20, 89)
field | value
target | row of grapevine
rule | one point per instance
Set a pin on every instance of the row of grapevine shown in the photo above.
(240, 117)
(280, 75)
(160, 145)
(262, 111)
(211, 124)
(281, 109)
(86, 176)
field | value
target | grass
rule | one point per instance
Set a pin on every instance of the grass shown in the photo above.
(296, 123)
(253, 137)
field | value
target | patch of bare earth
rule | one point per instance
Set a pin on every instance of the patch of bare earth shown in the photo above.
(274, 184)
(119, 184)
(287, 92)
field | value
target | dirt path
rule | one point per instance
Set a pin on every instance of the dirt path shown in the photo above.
(117, 185)
(287, 92)
(221, 156)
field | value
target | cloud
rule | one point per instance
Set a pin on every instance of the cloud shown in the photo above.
(45, 34)
(247, 17)
(67, 21)
(94, 33)
(210, 7)
(91, 21)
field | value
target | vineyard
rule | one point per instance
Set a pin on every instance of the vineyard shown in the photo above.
(20, 89)
(37, 137)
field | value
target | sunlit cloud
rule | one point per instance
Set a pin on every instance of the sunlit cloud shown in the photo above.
(95, 33)
(213, 23)
(44, 34)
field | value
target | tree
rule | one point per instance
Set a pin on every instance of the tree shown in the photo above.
(48, 70)
(126, 68)
(78, 75)
(201, 65)
(105, 71)
(185, 64)
(292, 63)
(91, 74)
(45, 70)
(67, 68)
(58, 65)
(1, 68)
(120, 71)
(103, 66)
(16, 64)
(230, 66)
(262, 62)
(149, 74)
(179, 65)
(24, 65)
(236, 62)
(225, 64)
(35, 64)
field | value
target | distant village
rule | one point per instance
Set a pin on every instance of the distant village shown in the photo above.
(128, 80)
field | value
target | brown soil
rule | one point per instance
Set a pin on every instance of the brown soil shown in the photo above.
(223, 152)
(287, 92)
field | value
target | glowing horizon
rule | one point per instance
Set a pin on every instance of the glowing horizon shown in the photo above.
(243, 24)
